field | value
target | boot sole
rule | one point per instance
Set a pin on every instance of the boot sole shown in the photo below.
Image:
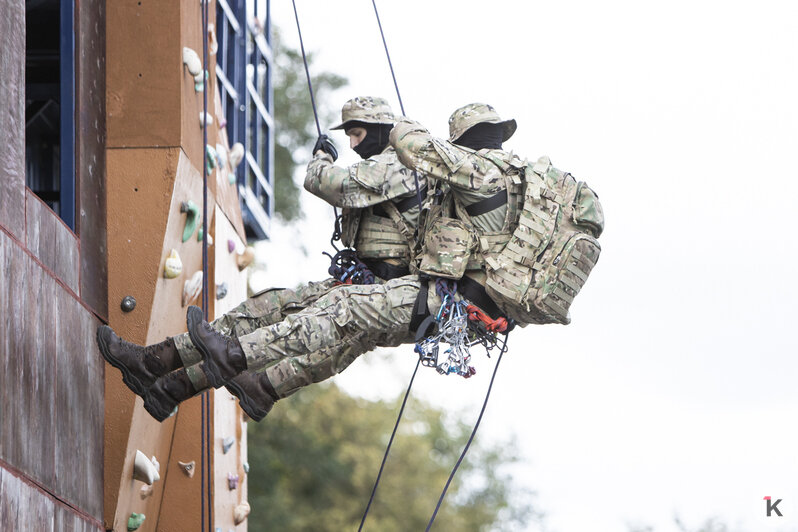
(130, 380)
(194, 318)
(245, 402)
(155, 412)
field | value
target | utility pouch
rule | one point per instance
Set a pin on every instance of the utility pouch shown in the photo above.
(448, 244)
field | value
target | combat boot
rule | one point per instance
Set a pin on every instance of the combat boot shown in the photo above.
(140, 365)
(223, 356)
(255, 393)
(166, 393)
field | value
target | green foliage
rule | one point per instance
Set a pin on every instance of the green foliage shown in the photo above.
(295, 127)
(315, 457)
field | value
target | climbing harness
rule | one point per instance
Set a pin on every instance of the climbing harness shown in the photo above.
(346, 268)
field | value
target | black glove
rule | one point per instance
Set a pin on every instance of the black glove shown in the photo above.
(326, 145)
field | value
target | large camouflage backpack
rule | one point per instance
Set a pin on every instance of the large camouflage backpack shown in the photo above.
(536, 275)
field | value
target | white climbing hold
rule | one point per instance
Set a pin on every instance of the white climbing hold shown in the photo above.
(221, 155)
(192, 61)
(144, 470)
(236, 155)
(173, 265)
(241, 512)
(192, 288)
(187, 467)
(245, 258)
(208, 119)
(227, 443)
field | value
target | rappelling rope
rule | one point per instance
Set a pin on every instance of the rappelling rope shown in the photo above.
(337, 230)
(206, 397)
(473, 433)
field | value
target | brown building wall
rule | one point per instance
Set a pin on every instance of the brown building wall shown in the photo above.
(51, 375)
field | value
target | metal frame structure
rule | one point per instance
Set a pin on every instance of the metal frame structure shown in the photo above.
(67, 67)
(243, 68)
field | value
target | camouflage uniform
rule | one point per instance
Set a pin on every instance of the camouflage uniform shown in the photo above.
(383, 235)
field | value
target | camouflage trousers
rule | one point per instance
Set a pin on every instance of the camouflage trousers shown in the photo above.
(262, 309)
(324, 338)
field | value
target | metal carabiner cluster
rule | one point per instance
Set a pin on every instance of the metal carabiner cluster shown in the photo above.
(452, 328)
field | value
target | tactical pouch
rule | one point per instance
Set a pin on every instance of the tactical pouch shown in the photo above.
(587, 210)
(448, 243)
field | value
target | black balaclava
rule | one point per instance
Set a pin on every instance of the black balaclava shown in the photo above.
(482, 135)
(376, 138)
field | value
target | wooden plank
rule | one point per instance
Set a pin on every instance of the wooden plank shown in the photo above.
(78, 407)
(90, 163)
(38, 358)
(52, 242)
(68, 521)
(5, 416)
(12, 117)
(23, 506)
(13, 346)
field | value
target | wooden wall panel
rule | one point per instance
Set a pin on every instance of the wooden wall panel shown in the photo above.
(5, 417)
(23, 506)
(78, 407)
(52, 242)
(12, 117)
(144, 69)
(68, 521)
(90, 162)
(13, 344)
(35, 406)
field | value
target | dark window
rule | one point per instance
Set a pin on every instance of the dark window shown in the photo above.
(49, 105)
(243, 67)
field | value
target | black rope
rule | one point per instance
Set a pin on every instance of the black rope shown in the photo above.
(205, 401)
(390, 64)
(307, 72)
(388, 449)
(471, 438)
(401, 105)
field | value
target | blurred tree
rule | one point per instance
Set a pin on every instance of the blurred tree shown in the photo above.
(315, 458)
(295, 127)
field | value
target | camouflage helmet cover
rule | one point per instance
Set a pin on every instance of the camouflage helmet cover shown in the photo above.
(476, 113)
(368, 109)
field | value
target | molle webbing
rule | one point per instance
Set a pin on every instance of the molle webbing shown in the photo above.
(379, 238)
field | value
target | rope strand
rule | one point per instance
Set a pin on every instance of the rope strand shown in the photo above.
(307, 71)
(388, 449)
(390, 63)
(471, 438)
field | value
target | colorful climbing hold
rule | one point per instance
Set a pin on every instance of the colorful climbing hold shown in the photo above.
(227, 443)
(192, 288)
(231, 245)
(135, 521)
(192, 215)
(232, 481)
(173, 266)
(192, 61)
(144, 470)
(187, 467)
(221, 290)
(236, 155)
(241, 512)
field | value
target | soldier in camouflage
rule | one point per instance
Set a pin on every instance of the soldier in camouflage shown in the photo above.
(523, 235)
(379, 220)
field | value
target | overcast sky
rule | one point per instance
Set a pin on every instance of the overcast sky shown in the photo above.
(674, 389)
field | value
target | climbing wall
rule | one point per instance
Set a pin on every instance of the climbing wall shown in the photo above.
(155, 195)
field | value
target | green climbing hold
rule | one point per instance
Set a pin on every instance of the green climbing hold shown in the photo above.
(192, 216)
(135, 521)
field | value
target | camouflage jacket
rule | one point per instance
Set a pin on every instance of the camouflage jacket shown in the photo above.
(366, 191)
(471, 175)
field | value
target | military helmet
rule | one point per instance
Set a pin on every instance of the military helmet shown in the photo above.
(476, 113)
(368, 109)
